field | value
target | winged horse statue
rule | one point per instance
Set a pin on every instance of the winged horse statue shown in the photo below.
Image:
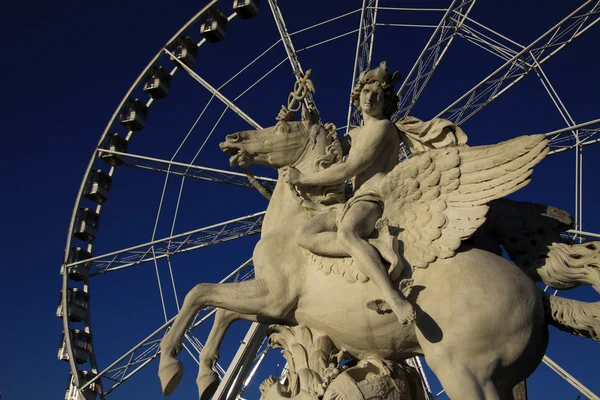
(481, 322)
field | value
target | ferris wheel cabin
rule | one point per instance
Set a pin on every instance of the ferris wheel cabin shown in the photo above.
(214, 26)
(134, 115)
(157, 85)
(97, 186)
(81, 344)
(246, 9)
(113, 142)
(86, 224)
(89, 394)
(81, 271)
(77, 305)
(185, 50)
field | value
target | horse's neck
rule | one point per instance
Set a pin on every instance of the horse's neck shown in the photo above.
(284, 208)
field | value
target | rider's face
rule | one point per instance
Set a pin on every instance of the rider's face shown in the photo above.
(372, 99)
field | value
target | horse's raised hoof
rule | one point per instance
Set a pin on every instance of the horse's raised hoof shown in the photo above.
(207, 384)
(170, 372)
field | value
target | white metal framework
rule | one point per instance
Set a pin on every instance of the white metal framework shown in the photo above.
(455, 23)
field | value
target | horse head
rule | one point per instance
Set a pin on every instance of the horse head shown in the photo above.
(304, 144)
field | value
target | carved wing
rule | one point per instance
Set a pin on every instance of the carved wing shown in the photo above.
(439, 198)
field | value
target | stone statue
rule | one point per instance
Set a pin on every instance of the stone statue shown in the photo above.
(479, 319)
(343, 231)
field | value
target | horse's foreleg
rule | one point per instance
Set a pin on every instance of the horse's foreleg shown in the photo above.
(251, 298)
(208, 379)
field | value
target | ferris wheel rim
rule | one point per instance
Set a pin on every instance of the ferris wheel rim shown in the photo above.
(94, 158)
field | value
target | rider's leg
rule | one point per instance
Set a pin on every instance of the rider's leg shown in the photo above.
(356, 225)
(320, 237)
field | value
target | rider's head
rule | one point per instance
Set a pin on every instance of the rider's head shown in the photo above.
(387, 83)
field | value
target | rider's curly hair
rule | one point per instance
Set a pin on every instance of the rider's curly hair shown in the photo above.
(390, 98)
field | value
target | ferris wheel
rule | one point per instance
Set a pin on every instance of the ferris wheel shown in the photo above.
(174, 213)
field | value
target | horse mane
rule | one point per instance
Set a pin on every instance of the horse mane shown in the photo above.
(325, 195)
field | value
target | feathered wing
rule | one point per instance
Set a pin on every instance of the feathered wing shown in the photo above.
(439, 198)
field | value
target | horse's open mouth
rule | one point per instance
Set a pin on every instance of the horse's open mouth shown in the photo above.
(228, 148)
(240, 157)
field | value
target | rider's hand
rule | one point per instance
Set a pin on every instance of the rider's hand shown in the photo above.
(291, 175)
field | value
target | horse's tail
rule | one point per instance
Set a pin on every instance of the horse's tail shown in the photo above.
(576, 317)
(567, 266)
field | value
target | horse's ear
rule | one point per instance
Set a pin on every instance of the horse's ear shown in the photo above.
(310, 116)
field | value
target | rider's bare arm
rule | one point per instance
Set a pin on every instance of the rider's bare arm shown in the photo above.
(364, 152)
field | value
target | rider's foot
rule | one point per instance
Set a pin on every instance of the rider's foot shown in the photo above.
(403, 310)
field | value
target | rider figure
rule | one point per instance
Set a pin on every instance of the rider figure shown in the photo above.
(373, 153)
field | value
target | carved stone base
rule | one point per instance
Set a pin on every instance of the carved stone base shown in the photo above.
(315, 372)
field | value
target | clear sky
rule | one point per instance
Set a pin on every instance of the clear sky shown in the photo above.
(66, 66)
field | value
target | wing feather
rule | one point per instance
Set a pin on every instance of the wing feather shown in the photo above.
(439, 198)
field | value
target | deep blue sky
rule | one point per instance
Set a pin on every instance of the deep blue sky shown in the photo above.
(65, 67)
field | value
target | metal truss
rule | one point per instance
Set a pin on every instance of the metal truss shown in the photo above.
(215, 92)
(569, 378)
(364, 51)
(148, 349)
(240, 371)
(289, 48)
(431, 56)
(180, 243)
(564, 139)
(415, 362)
(191, 171)
(522, 63)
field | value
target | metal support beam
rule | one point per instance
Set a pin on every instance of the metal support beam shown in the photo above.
(242, 362)
(415, 362)
(525, 61)
(562, 139)
(431, 56)
(570, 379)
(182, 242)
(364, 51)
(191, 171)
(215, 92)
(289, 48)
(148, 349)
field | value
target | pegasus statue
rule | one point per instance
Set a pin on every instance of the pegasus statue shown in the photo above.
(410, 264)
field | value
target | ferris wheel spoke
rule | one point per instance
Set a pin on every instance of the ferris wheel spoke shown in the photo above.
(581, 236)
(180, 243)
(564, 139)
(148, 349)
(289, 48)
(191, 171)
(215, 92)
(569, 378)
(432, 55)
(241, 369)
(522, 63)
(364, 52)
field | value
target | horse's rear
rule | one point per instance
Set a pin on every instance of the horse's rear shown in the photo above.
(480, 324)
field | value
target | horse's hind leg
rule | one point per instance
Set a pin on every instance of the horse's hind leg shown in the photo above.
(460, 381)
(251, 297)
(208, 379)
